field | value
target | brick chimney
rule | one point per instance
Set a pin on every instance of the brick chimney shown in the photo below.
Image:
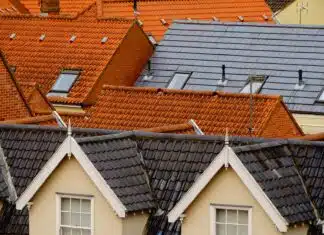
(50, 6)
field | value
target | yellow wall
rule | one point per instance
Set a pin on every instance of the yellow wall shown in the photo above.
(226, 188)
(310, 124)
(70, 178)
(314, 15)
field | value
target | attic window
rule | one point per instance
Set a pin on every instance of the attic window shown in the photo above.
(179, 80)
(254, 84)
(64, 83)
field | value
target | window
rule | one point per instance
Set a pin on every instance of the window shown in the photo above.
(75, 215)
(179, 80)
(231, 220)
(321, 96)
(64, 83)
(257, 82)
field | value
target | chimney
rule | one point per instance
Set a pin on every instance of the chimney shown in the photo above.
(50, 6)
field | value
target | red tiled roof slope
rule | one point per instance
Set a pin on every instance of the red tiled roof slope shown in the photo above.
(13, 103)
(132, 108)
(152, 11)
(67, 7)
(12, 7)
(41, 61)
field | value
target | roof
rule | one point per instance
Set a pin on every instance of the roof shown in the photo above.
(277, 51)
(131, 108)
(12, 7)
(42, 61)
(151, 12)
(277, 5)
(14, 104)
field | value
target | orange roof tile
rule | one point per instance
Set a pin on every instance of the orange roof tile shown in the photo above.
(135, 108)
(12, 7)
(67, 7)
(30, 120)
(184, 128)
(13, 103)
(152, 11)
(41, 61)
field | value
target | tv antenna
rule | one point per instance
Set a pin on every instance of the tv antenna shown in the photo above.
(300, 8)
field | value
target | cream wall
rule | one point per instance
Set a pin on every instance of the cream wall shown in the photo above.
(135, 224)
(226, 188)
(314, 15)
(310, 124)
(70, 178)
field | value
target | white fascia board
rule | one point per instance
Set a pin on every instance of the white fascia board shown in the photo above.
(198, 186)
(257, 192)
(69, 145)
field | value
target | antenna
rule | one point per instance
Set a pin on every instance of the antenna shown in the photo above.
(300, 8)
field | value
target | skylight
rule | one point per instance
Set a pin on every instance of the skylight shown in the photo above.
(257, 82)
(321, 97)
(179, 80)
(64, 83)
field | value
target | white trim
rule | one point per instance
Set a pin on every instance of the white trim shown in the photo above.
(213, 208)
(69, 144)
(244, 175)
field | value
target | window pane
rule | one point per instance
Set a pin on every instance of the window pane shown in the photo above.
(321, 98)
(86, 206)
(231, 229)
(65, 231)
(76, 231)
(220, 215)
(178, 80)
(75, 219)
(75, 205)
(65, 218)
(64, 82)
(85, 220)
(65, 204)
(220, 229)
(243, 217)
(242, 230)
(231, 216)
(255, 87)
(86, 232)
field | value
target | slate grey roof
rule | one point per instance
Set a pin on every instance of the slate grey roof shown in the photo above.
(277, 5)
(277, 51)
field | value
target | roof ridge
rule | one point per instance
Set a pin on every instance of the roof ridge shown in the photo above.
(122, 135)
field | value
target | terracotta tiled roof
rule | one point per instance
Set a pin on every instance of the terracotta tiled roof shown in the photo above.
(31, 120)
(133, 108)
(152, 11)
(67, 7)
(13, 103)
(184, 128)
(12, 7)
(41, 61)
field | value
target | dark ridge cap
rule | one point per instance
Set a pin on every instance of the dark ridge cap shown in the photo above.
(54, 128)
(91, 139)
(210, 22)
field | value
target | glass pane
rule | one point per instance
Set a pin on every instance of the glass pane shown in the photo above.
(232, 216)
(75, 219)
(75, 205)
(220, 215)
(255, 87)
(86, 232)
(242, 230)
(178, 80)
(76, 231)
(65, 204)
(321, 96)
(64, 82)
(243, 217)
(65, 218)
(220, 229)
(85, 220)
(65, 231)
(231, 229)
(86, 206)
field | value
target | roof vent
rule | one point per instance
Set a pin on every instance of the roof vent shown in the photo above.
(12, 36)
(42, 37)
(301, 84)
(104, 40)
(163, 21)
(73, 38)
(215, 18)
(140, 23)
(265, 17)
(241, 18)
(223, 81)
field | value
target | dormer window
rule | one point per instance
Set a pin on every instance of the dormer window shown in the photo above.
(179, 80)
(64, 83)
(254, 84)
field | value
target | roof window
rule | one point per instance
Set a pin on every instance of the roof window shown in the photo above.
(254, 84)
(179, 80)
(321, 97)
(64, 83)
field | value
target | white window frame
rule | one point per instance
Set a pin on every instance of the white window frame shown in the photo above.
(59, 197)
(212, 216)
